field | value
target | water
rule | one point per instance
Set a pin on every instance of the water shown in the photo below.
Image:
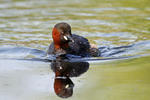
(26, 25)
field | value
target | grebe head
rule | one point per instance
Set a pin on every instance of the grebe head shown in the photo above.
(61, 34)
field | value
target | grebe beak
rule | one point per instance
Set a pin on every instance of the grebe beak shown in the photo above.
(68, 38)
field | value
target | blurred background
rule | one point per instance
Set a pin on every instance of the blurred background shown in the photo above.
(109, 23)
(104, 22)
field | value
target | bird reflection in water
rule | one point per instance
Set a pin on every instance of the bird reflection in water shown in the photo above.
(64, 69)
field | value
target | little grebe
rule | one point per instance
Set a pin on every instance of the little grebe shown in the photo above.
(64, 42)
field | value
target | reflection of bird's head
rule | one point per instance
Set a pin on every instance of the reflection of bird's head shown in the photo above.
(64, 69)
(63, 87)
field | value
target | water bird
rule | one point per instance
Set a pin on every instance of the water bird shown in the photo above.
(64, 42)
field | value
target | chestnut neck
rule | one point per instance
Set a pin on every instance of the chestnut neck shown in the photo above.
(57, 41)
